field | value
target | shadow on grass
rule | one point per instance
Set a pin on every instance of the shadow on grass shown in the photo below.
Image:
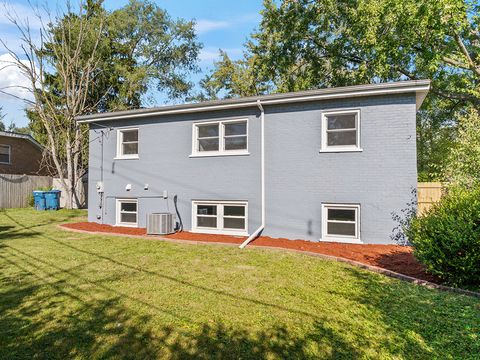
(96, 323)
(104, 328)
(424, 322)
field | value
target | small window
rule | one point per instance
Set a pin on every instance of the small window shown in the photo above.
(127, 212)
(340, 131)
(5, 154)
(127, 147)
(220, 138)
(220, 217)
(340, 223)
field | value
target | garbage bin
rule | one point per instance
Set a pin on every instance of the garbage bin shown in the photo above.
(39, 200)
(52, 199)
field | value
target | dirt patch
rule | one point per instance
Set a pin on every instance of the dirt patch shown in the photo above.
(391, 257)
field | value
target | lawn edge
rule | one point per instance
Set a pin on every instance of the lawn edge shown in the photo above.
(372, 268)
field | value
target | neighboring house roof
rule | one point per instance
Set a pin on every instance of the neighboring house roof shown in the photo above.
(420, 87)
(22, 136)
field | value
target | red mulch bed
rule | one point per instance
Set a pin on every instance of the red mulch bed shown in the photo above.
(392, 257)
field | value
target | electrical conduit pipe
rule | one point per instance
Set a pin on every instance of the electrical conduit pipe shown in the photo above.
(262, 226)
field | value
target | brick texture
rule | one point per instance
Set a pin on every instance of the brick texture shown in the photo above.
(25, 157)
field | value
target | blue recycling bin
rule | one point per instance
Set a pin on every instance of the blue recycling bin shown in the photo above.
(39, 200)
(52, 199)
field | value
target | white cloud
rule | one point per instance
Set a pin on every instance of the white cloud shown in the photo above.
(204, 26)
(13, 83)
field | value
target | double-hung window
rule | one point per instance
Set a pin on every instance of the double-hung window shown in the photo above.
(127, 212)
(341, 131)
(341, 222)
(127, 145)
(226, 217)
(5, 154)
(228, 137)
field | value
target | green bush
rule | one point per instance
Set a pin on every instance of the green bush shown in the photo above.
(447, 239)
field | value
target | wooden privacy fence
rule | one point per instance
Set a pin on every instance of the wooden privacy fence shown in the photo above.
(428, 194)
(15, 189)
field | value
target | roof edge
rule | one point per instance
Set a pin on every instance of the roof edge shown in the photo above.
(22, 136)
(420, 87)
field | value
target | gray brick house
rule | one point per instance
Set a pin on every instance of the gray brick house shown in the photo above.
(321, 165)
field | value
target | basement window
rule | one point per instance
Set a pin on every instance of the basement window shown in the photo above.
(226, 217)
(341, 131)
(127, 145)
(127, 212)
(229, 137)
(5, 154)
(341, 223)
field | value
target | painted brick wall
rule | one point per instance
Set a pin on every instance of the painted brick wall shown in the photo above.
(25, 157)
(298, 177)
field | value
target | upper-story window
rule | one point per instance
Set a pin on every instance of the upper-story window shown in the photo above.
(5, 154)
(127, 145)
(341, 131)
(220, 138)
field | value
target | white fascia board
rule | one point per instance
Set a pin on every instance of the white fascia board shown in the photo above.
(420, 90)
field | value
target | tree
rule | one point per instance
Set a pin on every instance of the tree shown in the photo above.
(91, 60)
(2, 116)
(306, 44)
(462, 167)
(58, 56)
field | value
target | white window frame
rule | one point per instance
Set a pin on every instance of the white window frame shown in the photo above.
(341, 238)
(340, 148)
(220, 210)
(118, 211)
(120, 142)
(9, 147)
(221, 139)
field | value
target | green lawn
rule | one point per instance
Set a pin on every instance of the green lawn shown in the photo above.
(69, 295)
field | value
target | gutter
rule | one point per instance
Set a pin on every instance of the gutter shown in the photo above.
(262, 226)
(420, 87)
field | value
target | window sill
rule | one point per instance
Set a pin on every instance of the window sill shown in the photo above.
(340, 150)
(5, 163)
(341, 240)
(213, 154)
(126, 158)
(127, 225)
(220, 232)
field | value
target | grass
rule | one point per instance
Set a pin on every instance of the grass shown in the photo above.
(70, 295)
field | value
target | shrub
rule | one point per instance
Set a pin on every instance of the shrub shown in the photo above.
(447, 238)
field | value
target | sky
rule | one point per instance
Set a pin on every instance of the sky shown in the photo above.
(221, 24)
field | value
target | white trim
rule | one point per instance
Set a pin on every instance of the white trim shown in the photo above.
(340, 148)
(221, 138)
(9, 155)
(220, 217)
(214, 154)
(341, 238)
(119, 155)
(395, 88)
(117, 212)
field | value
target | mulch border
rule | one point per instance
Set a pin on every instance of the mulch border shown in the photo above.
(375, 269)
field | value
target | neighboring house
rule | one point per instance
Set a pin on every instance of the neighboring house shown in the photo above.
(20, 154)
(329, 165)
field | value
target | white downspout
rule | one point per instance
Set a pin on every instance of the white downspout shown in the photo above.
(262, 226)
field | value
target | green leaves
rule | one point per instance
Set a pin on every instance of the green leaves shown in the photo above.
(447, 239)
(306, 44)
